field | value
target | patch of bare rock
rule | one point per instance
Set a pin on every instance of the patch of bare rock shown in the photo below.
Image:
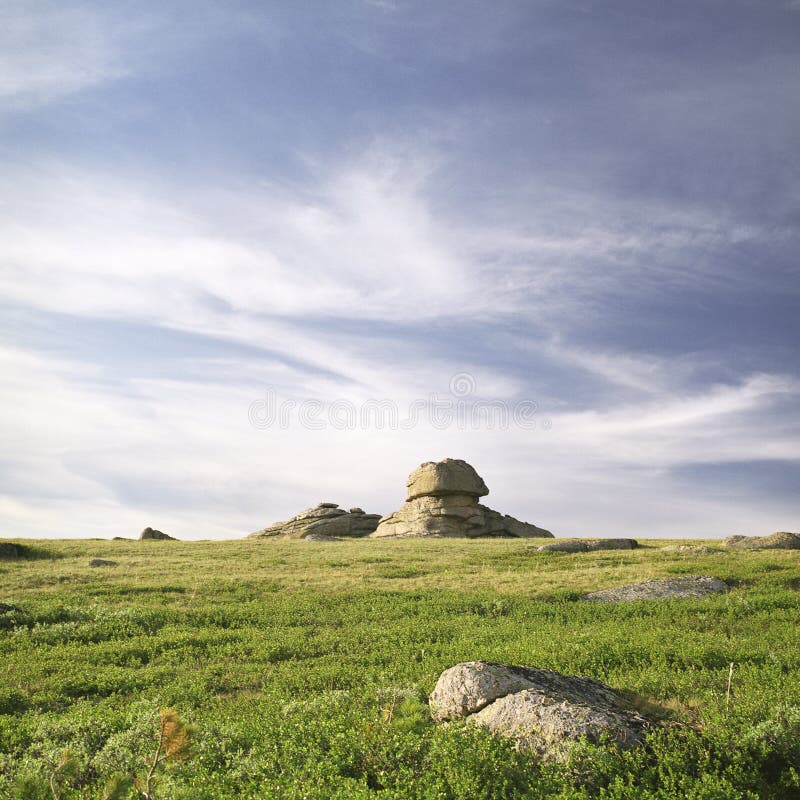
(781, 540)
(152, 533)
(540, 710)
(442, 500)
(320, 537)
(587, 545)
(683, 587)
(324, 520)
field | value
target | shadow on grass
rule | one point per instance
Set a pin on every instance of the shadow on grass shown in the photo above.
(13, 551)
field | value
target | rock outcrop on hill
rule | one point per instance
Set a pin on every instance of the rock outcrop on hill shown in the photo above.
(326, 519)
(781, 540)
(442, 500)
(588, 545)
(541, 710)
(151, 533)
(684, 587)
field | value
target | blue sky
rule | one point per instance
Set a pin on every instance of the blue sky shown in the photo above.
(594, 207)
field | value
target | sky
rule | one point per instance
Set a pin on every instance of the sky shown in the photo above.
(559, 240)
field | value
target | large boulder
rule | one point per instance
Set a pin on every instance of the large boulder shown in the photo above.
(781, 540)
(442, 478)
(541, 710)
(443, 501)
(325, 519)
(588, 545)
(681, 588)
(151, 533)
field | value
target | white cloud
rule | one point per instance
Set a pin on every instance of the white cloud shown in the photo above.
(87, 458)
(723, 423)
(51, 49)
(366, 245)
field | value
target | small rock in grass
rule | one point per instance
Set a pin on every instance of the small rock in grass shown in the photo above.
(684, 587)
(588, 545)
(564, 546)
(611, 544)
(102, 562)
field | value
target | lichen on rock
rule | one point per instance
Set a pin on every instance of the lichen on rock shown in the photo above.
(542, 711)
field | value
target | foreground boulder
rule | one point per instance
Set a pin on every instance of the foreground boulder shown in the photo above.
(588, 545)
(326, 519)
(781, 540)
(542, 711)
(151, 533)
(684, 587)
(442, 500)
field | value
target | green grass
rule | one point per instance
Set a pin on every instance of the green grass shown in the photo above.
(305, 668)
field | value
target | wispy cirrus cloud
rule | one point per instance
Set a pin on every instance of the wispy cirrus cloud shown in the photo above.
(49, 49)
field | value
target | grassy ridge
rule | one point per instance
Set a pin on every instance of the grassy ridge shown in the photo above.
(305, 667)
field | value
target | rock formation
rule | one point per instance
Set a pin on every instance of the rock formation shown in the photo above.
(326, 519)
(588, 545)
(541, 710)
(684, 587)
(151, 533)
(781, 540)
(442, 500)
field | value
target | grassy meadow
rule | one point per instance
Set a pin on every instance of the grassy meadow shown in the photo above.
(304, 668)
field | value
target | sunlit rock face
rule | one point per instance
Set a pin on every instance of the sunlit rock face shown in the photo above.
(442, 500)
(542, 711)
